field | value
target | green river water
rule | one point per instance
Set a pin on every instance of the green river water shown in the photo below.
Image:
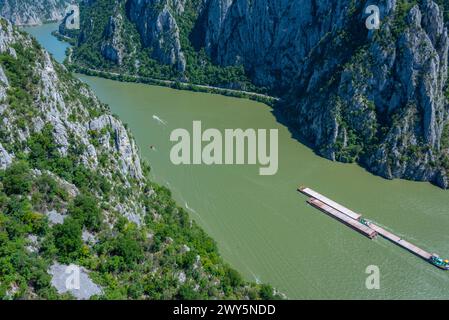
(263, 227)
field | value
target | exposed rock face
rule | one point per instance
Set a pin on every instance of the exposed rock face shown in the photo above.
(73, 170)
(376, 97)
(5, 158)
(33, 12)
(386, 106)
(123, 145)
(158, 29)
(414, 91)
(178, 5)
(55, 217)
(265, 36)
(112, 47)
(74, 279)
(73, 121)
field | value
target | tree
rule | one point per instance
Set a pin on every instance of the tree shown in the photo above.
(68, 238)
(85, 210)
(266, 292)
(17, 179)
(128, 247)
(235, 279)
(186, 292)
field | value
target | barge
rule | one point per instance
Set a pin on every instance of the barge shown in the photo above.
(367, 228)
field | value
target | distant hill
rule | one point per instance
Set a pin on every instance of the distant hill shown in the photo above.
(33, 12)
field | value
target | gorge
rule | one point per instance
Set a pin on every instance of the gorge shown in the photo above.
(350, 91)
(376, 97)
(75, 195)
(31, 12)
(261, 225)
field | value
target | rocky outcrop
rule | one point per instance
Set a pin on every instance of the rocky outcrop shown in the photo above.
(75, 280)
(377, 97)
(71, 120)
(124, 147)
(414, 93)
(158, 29)
(5, 158)
(270, 38)
(112, 47)
(77, 203)
(33, 12)
(216, 15)
(386, 107)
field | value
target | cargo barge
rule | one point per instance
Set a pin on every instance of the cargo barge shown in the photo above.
(367, 228)
(354, 224)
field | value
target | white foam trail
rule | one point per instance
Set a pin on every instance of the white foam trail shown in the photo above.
(188, 208)
(256, 278)
(155, 117)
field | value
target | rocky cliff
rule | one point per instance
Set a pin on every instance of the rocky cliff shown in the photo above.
(33, 12)
(152, 39)
(377, 97)
(158, 29)
(75, 194)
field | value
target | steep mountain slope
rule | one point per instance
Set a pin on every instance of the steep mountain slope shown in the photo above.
(33, 12)
(376, 97)
(73, 190)
(149, 38)
(385, 103)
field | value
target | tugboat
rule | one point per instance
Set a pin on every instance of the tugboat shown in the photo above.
(365, 222)
(438, 262)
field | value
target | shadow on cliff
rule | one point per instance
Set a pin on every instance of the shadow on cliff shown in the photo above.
(282, 119)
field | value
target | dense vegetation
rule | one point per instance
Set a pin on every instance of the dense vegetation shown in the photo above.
(125, 261)
(166, 256)
(138, 58)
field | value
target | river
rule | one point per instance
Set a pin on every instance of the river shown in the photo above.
(262, 225)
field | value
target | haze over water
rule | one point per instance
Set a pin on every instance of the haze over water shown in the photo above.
(263, 226)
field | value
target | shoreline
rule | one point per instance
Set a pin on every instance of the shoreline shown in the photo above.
(179, 85)
(75, 68)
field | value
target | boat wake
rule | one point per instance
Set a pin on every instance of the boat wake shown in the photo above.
(190, 209)
(257, 279)
(155, 117)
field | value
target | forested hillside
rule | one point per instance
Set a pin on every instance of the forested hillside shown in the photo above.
(73, 191)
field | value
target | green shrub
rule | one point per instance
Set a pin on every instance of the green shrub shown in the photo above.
(17, 179)
(127, 247)
(85, 210)
(68, 239)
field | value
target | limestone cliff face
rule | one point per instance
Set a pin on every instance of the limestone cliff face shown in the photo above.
(80, 123)
(112, 46)
(271, 38)
(413, 95)
(33, 12)
(158, 28)
(377, 97)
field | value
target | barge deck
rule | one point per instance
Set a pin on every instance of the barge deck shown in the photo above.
(365, 227)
